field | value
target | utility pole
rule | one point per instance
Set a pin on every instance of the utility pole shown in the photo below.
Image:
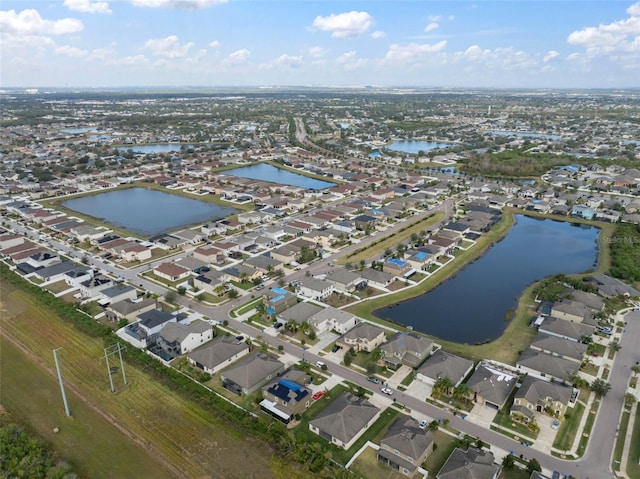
(124, 376)
(109, 351)
(106, 357)
(64, 396)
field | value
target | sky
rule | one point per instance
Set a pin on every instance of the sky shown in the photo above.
(414, 43)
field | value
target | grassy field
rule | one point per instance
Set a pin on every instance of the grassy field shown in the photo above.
(88, 441)
(162, 423)
(392, 241)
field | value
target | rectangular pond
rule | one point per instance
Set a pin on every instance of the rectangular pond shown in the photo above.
(471, 306)
(147, 212)
(272, 174)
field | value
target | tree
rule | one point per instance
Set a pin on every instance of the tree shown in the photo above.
(615, 346)
(233, 294)
(533, 465)
(629, 400)
(600, 387)
(461, 392)
(508, 461)
(635, 369)
(170, 296)
(441, 386)
(433, 425)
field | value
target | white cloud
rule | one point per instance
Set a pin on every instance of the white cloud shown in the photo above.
(70, 51)
(238, 57)
(378, 34)
(431, 26)
(289, 61)
(622, 36)
(344, 25)
(180, 4)
(412, 51)
(168, 47)
(317, 52)
(86, 6)
(214, 44)
(551, 55)
(501, 58)
(29, 22)
(349, 61)
(435, 18)
(134, 61)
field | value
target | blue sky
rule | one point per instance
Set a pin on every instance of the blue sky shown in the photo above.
(495, 44)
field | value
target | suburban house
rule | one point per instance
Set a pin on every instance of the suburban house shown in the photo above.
(251, 373)
(469, 464)
(397, 267)
(609, 286)
(285, 254)
(175, 339)
(152, 321)
(287, 396)
(135, 252)
(276, 300)
(171, 272)
(77, 276)
(442, 364)
(557, 346)
(343, 280)
(42, 259)
(218, 354)
(490, 386)
(210, 281)
(565, 329)
(536, 395)
(55, 271)
(210, 255)
(375, 278)
(408, 349)
(92, 287)
(363, 337)
(405, 446)
(545, 365)
(299, 313)
(127, 309)
(315, 288)
(583, 212)
(344, 420)
(333, 319)
(264, 263)
(572, 311)
(116, 293)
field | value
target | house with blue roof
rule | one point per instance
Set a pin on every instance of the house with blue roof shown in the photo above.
(287, 396)
(421, 260)
(397, 267)
(277, 300)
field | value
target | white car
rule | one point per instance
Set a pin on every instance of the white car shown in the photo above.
(423, 424)
(386, 390)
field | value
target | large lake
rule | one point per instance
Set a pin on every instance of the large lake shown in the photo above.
(147, 212)
(471, 306)
(415, 146)
(272, 174)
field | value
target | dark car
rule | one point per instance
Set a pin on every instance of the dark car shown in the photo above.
(335, 348)
(373, 379)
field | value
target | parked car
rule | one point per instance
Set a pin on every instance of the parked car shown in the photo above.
(335, 348)
(555, 424)
(423, 424)
(386, 390)
(373, 379)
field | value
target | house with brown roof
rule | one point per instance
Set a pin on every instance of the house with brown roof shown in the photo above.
(408, 349)
(171, 272)
(362, 337)
(538, 396)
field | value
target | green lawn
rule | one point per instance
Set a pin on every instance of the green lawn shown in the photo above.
(569, 428)
(617, 452)
(445, 444)
(367, 465)
(584, 439)
(633, 465)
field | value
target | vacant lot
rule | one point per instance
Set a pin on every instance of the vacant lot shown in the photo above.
(189, 441)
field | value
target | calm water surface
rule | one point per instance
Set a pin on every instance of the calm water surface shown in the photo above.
(147, 212)
(415, 146)
(471, 306)
(272, 174)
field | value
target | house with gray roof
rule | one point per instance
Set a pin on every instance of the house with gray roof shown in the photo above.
(55, 271)
(264, 263)
(375, 278)
(127, 309)
(609, 286)
(333, 319)
(344, 420)
(251, 373)
(442, 364)
(405, 446)
(92, 287)
(362, 337)
(590, 300)
(538, 396)
(343, 280)
(408, 349)
(547, 366)
(117, 292)
(557, 346)
(315, 288)
(175, 339)
(469, 464)
(491, 387)
(572, 311)
(299, 312)
(565, 329)
(218, 354)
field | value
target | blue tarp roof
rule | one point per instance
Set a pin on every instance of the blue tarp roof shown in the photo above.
(279, 290)
(290, 384)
